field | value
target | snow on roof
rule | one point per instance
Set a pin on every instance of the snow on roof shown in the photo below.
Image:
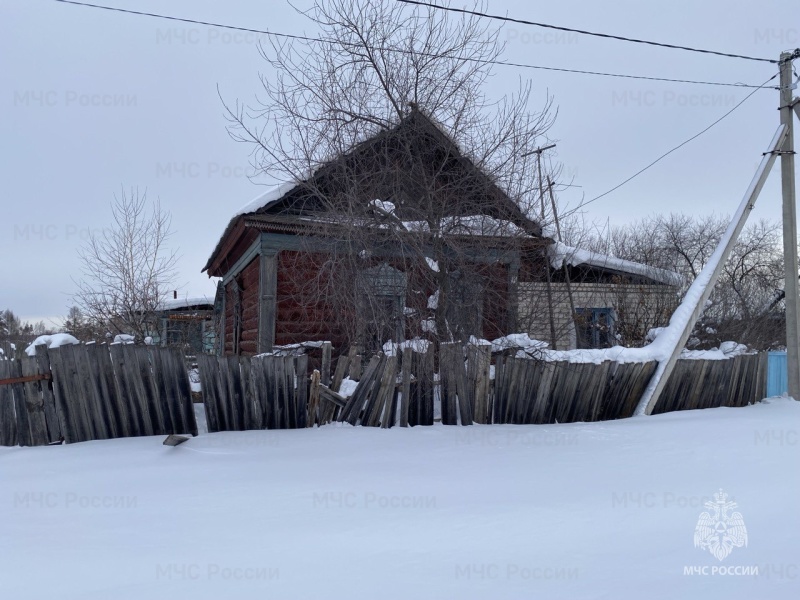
(271, 196)
(184, 303)
(561, 253)
(479, 225)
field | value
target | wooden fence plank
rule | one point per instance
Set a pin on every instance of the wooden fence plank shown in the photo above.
(116, 416)
(20, 406)
(125, 392)
(250, 418)
(301, 393)
(388, 393)
(313, 400)
(132, 374)
(8, 417)
(325, 370)
(168, 396)
(209, 368)
(287, 391)
(188, 420)
(371, 414)
(405, 389)
(426, 371)
(34, 403)
(447, 385)
(51, 417)
(352, 411)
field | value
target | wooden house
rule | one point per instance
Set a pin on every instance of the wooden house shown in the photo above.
(363, 249)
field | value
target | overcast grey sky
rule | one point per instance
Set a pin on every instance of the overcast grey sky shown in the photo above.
(93, 100)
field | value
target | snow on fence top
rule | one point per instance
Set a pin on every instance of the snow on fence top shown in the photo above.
(527, 347)
(51, 341)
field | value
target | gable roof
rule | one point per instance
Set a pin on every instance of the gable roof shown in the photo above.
(276, 198)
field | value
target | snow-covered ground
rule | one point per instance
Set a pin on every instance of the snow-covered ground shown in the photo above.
(574, 511)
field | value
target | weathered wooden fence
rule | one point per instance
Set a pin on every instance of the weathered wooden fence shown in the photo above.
(79, 393)
(737, 381)
(402, 389)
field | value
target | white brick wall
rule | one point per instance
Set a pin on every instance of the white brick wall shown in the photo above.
(636, 306)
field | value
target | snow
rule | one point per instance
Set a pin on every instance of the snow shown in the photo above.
(433, 300)
(383, 206)
(194, 380)
(184, 303)
(518, 340)
(528, 347)
(293, 349)
(561, 253)
(347, 387)
(416, 344)
(123, 338)
(566, 511)
(428, 325)
(432, 264)
(270, 196)
(479, 225)
(51, 341)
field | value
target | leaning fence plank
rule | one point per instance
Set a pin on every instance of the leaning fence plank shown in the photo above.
(96, 400)
(341, 368)
(148, 389)
(388, 395)
(352, 411)
(188, 418)
(115, 415)
(125, 391)
(173, 395)
(371, 414)
(76, 397)
(134, 375)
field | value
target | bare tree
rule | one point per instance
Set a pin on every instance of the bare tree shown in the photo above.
(740, 307)
(385, 72)
(127, 267)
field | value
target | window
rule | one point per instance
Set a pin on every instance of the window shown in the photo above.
(465, 305)
(595, 327)
(382, 296)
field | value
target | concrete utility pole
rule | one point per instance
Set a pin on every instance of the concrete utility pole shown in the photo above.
(538, 153)
(789, 226)
(686, 315)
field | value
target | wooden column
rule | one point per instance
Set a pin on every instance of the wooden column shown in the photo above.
(268, 287)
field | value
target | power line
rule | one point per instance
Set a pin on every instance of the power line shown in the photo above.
(399, 50)
(583, 31)
(695, 136)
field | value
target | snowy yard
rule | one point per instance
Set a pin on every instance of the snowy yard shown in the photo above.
(600, 510)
